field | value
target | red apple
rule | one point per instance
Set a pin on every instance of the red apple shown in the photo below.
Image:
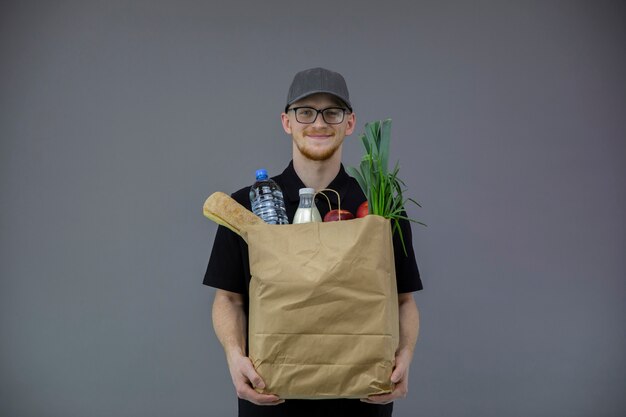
(363, 210)
(335, 215)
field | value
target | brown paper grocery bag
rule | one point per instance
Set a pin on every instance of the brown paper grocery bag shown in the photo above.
(323, 308)
(323, 319)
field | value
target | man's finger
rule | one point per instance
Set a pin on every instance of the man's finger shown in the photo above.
(245, 392)
(254, 378)
(399, 371)
(397, 375)
(379, 399)
(264, 399)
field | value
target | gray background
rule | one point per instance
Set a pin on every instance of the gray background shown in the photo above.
(117, 120)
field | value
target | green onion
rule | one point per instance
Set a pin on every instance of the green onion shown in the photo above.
(383, 189)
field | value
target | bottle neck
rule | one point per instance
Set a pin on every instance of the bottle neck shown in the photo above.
(306, 201)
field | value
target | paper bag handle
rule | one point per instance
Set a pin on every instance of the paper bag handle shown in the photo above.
(327, 199)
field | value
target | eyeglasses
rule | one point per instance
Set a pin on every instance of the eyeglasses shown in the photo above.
(308, 115)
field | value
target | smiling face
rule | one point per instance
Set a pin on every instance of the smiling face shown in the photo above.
(317, 141)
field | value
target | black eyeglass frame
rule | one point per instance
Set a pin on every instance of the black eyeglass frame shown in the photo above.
(343, 114)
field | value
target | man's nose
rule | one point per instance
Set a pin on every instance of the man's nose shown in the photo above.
(319, 121)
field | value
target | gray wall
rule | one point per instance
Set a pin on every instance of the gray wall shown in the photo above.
(117, 120)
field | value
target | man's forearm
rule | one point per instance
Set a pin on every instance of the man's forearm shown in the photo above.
(229, 322)
(409, 323)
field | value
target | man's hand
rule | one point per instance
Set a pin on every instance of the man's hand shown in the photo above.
(229, 321)
(245, 378)
(399, 376)
(409, 329)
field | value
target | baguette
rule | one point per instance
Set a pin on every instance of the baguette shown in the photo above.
(224, 210)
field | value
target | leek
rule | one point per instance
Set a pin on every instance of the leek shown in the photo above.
(383, 188)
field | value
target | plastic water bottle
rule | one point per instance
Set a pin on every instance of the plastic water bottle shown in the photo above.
(267, 200)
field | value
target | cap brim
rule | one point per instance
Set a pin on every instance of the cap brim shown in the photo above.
(310, 93)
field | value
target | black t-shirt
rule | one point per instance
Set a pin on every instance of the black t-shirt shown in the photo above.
(229, 270)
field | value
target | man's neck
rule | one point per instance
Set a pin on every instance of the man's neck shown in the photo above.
(317, 174)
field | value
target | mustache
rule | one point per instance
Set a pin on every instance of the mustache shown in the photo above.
(314, 131)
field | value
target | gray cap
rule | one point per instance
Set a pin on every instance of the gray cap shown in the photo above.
(318, 80)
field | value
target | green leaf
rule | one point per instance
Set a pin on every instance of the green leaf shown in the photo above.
(366, 144)
(371, 131)
(352, 171)
(368, 177)
(383, 148)
(396, 227)
(413, 201)
(366, 170)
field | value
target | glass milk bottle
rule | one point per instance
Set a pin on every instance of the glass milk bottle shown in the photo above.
(307, 212)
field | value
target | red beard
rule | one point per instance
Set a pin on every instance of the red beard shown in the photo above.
(317, 154)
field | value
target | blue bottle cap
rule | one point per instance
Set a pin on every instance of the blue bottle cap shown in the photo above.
(261, 174)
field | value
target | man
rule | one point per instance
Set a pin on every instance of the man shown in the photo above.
(318, 116)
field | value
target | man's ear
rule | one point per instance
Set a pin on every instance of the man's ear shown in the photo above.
(284, 118)
(351, 124)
